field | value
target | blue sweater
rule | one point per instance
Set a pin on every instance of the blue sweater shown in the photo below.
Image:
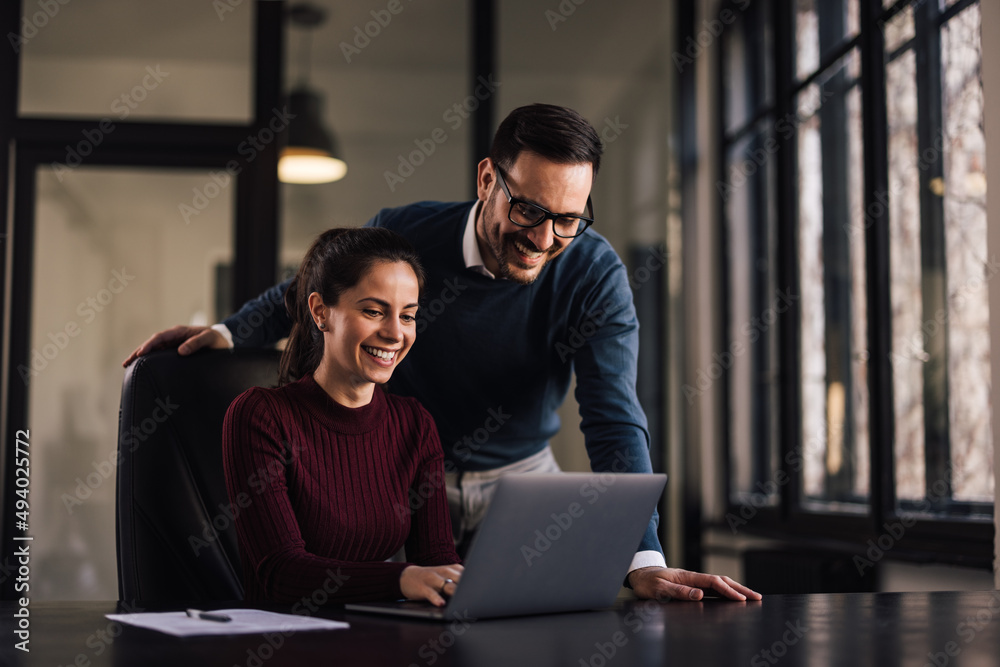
(493, 359)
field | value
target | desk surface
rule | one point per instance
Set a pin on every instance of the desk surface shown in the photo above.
(852, 629)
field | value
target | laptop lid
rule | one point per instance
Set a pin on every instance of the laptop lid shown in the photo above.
(549, 543)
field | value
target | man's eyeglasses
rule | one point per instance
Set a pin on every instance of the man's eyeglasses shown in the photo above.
(526, 214)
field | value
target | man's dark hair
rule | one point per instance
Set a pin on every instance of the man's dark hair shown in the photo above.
(555, 133)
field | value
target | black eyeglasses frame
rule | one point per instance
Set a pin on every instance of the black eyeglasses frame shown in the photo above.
(585, 222)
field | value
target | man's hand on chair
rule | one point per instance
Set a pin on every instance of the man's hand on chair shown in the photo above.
(189, 339)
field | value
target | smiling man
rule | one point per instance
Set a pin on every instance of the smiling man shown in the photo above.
(513, 241)
(521, 294)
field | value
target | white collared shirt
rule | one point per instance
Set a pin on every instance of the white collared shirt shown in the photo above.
(470, 246)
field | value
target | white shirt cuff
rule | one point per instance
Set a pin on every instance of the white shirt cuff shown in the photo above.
(647, 559)
(224, 330)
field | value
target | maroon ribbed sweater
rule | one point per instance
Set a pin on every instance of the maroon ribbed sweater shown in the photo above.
(323, 493)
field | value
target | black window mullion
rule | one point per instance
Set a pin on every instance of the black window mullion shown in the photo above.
(756, 129)
(255, 260)
(957, 8)
(691, 514)
(787, 266)
(885, 15)
(19, 339)
(836, 255)
(900, 50)
(764, 112)
(759, 358)
(876, 224)
(760, 397)
(724, 250)
(484, 65)
(10, 20)
(933, 262)
(835, 54)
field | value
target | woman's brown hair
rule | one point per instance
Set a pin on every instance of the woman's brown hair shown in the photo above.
(337, 261)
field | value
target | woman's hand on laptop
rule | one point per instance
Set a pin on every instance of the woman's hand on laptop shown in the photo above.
(676, 584)
(430, 583)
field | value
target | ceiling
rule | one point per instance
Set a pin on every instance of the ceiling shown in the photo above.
(424, 35)
(605, 59)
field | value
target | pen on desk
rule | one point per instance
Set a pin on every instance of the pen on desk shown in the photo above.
(208, 616)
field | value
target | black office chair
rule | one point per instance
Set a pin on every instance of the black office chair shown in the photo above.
(174, 523)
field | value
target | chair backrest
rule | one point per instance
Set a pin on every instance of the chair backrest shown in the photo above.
(174, 522)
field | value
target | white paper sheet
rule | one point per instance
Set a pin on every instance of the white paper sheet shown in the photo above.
(245, 621)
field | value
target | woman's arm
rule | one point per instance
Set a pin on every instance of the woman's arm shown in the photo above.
(430, 541)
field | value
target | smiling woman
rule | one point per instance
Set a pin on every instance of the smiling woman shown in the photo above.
(369, 333)
(351, 456)
(353, 284)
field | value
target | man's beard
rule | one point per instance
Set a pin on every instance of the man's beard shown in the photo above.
(501, 247)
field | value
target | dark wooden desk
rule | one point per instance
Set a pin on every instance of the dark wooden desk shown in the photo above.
(855, 629)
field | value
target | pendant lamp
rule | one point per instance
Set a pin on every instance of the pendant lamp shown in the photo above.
(312, 154)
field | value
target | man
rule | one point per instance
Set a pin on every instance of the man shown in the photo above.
(518, 299)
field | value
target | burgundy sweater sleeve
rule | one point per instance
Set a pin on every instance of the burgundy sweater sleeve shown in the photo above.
(430, 541)
(271, 543)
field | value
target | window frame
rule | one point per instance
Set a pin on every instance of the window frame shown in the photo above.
(954, 539)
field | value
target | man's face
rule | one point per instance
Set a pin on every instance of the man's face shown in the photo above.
(519, 253)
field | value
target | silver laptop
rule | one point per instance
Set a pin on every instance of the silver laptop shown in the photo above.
(548, 543)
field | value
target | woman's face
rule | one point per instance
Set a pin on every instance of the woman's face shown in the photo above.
(372, 326)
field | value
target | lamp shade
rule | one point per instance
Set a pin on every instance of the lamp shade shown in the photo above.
(312, 154)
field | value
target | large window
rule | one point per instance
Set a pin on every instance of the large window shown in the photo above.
(853, 192)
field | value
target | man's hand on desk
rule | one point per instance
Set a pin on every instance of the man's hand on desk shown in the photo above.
(189, 339)
(673, 583)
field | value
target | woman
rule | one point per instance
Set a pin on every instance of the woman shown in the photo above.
(340, 474)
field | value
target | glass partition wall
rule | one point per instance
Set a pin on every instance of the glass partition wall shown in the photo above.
(114, 261)
(106, 249)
